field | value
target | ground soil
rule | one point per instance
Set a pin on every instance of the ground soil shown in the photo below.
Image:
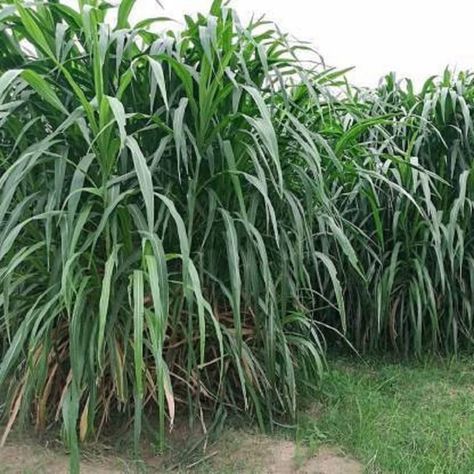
(26, 459)
(248, 453)
(266, 455)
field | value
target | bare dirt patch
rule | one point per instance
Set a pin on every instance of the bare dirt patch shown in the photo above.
(262, 454)
(330, 461)
(26, 459)
(285, 459)
(236, 452)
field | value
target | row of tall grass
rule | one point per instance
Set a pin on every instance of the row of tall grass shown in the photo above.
(186, 217)
(403, 188)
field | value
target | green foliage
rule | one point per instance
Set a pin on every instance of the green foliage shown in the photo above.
(153, 253)
(183, 215)
(405, 192)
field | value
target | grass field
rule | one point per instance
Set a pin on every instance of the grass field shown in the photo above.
(409, 418)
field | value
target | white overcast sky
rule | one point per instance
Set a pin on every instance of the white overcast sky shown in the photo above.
(414, 38)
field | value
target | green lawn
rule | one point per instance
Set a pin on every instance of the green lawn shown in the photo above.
(400, 418)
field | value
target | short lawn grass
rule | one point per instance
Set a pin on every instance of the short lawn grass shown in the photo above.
(399, 418)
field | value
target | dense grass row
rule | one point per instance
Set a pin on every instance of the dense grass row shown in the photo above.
(404, 190)
(183, 217)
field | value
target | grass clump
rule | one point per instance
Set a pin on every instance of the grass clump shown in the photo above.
(154, 253)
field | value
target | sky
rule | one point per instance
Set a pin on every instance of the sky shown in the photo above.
(414, 38)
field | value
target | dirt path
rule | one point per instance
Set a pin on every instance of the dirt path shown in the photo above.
(238, 452)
